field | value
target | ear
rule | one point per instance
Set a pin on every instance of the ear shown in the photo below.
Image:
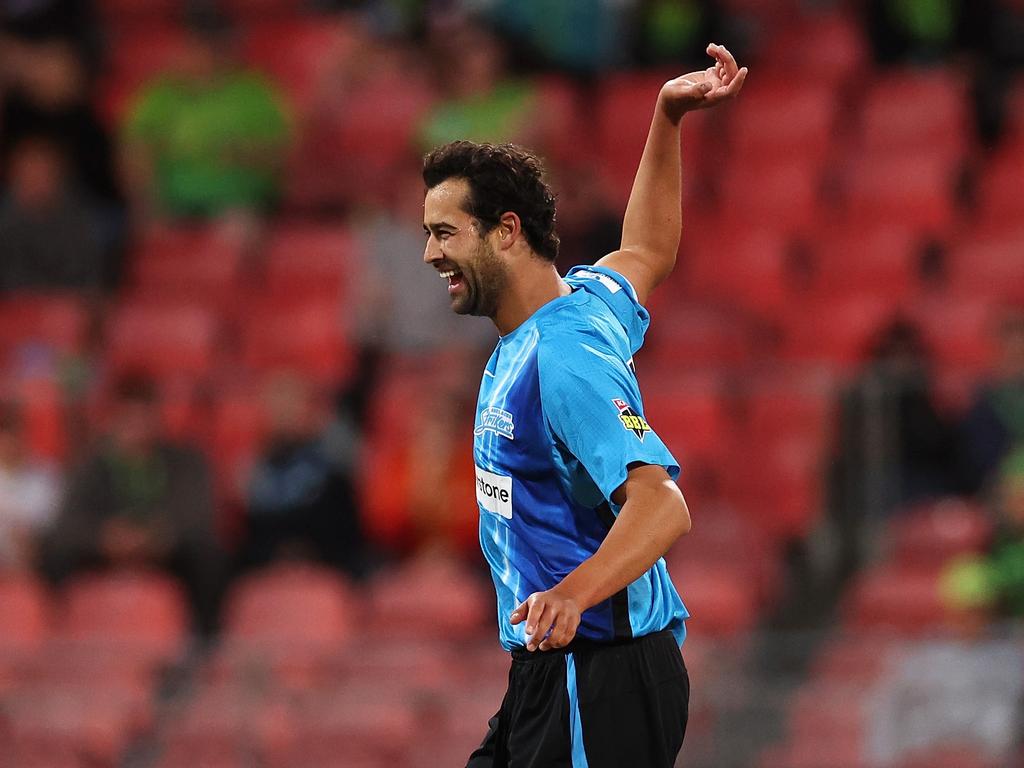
(509, 230)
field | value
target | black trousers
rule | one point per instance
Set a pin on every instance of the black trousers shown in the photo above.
(591, 705)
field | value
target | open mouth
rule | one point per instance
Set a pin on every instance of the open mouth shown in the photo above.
(454, 278)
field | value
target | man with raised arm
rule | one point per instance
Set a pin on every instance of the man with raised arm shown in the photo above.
(577, 494)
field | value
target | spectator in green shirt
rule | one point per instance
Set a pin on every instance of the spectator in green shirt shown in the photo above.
(206, 138)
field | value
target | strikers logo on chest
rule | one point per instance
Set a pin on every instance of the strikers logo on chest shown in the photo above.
(632, 420)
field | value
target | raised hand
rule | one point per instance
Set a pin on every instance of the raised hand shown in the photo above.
(703, 89)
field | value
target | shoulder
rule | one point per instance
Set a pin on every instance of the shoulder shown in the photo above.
(578, 340)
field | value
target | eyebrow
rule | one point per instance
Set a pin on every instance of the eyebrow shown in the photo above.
(439, 225)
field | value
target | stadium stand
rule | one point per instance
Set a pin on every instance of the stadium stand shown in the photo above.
(811, 204)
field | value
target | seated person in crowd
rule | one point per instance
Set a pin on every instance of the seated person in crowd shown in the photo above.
(51, 238)
(139, 500)
(995, 422)
(301, 501)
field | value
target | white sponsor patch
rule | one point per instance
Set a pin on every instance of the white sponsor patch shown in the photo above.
(603, 279)
(494, 492)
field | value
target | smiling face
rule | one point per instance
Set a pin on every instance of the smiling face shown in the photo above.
(461, 254)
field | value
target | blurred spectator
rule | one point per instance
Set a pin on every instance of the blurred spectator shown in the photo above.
(47, 95)
(301, 498)
(587, 227)
(29, 492)
(994, 583)
(995, 423)
(920, 31)
(893, 445)
(994, 36)
(207, 138)
(50, 239)
(139, 500)
(675, 31)
(36, 21)
(479, 101)
(583, 36)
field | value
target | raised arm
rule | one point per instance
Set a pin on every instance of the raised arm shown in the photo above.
(651, 227)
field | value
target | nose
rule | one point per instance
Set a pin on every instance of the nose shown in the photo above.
(432, 251)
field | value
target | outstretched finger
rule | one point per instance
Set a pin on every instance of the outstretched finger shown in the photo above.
(727, 60)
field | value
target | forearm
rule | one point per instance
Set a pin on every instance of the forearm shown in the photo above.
(653, 217)
(645, 528)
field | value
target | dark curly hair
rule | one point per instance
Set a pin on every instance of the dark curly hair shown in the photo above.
(502, 178)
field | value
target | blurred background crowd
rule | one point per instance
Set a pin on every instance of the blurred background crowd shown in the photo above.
(237, 523)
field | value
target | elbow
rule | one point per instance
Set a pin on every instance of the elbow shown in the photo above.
(680, 512)
(685, 523)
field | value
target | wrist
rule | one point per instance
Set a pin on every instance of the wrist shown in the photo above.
(670, 110)
(577, 587)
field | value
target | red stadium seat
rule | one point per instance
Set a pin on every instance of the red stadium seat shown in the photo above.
(775, 192)
(960, 329)
(901, 599)
(306, 261)
(880, 259)
(198, 264)
(684, 336)
(934, 533)
(689, 414)
(999, 195)
(742, 265)
(720, 600)
(987, 263)
(299, 54)
(304, 606)
(852, 659)
(773, 120)
(910, 109)
(851, 322)
(352, 149)
(835, 42)
(96, 723)
(894, 187)
(561, 132)
(403, 601)
(143, 612)
(56, 322)
(24, 614)
(297, 335)
(167, 341)
(624, 112)
(781, 485)
(139, 52)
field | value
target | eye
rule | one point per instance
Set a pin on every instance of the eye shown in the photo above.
(444, 235)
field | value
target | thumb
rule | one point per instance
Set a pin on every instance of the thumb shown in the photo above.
(519, 614)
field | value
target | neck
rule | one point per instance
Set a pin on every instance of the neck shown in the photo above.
(536, 286)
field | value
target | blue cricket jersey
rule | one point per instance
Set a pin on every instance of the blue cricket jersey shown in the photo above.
(559, 420)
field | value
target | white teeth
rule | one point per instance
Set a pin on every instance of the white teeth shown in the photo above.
(450, 273)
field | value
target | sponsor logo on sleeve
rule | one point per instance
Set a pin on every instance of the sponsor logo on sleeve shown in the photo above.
(494, 493)
(603, 279)
(631, 420)
(496, 420)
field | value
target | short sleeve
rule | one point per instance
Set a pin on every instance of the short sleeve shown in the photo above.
(620, 296)
(592, 405)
